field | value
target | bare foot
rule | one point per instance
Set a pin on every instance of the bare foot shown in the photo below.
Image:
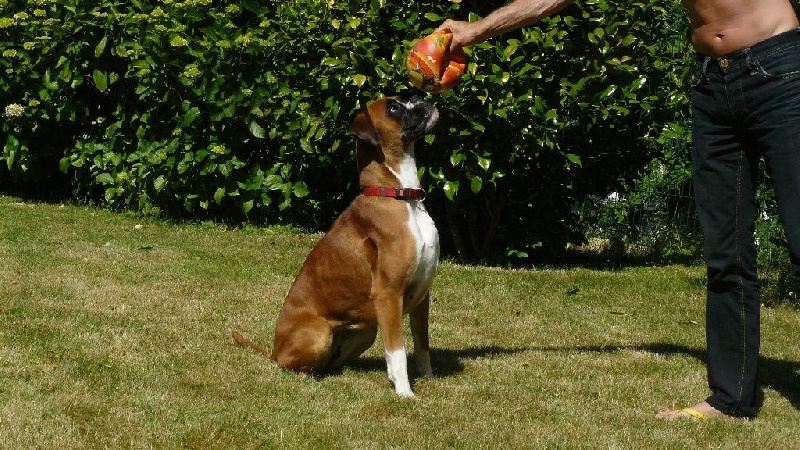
(700, 411)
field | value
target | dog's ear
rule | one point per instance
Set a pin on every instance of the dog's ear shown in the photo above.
(366, 153)
(363, 129)
(368, 143)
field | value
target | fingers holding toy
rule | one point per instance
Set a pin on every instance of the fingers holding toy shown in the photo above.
(434, 65)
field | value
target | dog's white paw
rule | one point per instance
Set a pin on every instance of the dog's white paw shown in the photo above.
(405, 394)
(402, 388)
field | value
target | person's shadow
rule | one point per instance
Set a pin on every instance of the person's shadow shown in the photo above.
(782, 376)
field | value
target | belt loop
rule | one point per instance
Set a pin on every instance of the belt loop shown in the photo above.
(753, 66)
(703, 72)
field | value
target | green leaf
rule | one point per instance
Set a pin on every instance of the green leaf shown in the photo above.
(300, 189)
(511, 48)
(159, 183)
(476, 185)
(257, 130)
(574, 159)
(517, 253)
(450, 189)
(100, 80)
(188, 202)
(639, 82)
(191, 115)
(105, 178)
(609, 91)
(273, 182)
(306, 146)
(219, 195)
(12, 143)
(247, 206)
(456, 158)
(98, 50)
(359, 80)
(11, 154)
(628, 40)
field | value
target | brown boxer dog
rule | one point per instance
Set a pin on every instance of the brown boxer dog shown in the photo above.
(374, 265)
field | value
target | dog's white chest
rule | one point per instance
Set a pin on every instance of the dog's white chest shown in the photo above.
(423, 230)
(426, 240)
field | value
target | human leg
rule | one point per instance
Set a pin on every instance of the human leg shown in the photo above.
(746, 105)
(724, 178)
(779, 137)
(724, 172)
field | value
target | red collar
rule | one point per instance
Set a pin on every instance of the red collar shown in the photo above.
(400, 194)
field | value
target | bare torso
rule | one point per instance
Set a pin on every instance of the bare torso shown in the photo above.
(720, 27)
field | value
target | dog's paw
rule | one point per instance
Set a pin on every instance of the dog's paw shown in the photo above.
(405, 394)
(403, 388)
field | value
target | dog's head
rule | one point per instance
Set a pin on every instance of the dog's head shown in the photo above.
(391, 125)
(394, 119)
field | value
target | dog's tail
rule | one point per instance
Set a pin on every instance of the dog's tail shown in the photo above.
(246, 343)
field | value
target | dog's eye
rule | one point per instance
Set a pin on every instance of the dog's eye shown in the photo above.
(395, 109)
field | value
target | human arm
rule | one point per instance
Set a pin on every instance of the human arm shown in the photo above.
(517, 14)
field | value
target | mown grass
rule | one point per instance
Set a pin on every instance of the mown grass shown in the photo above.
(114, 333)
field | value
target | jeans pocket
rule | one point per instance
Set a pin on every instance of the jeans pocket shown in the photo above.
(781, 64)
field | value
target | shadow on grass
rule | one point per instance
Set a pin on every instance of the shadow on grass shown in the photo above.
(782, 376)
(445, 362)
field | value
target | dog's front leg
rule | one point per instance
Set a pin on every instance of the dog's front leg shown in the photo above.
(390, 320)
(419, 331)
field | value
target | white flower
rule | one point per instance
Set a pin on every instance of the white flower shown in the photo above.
(15, 110)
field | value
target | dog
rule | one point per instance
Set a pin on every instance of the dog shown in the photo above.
(375, 264)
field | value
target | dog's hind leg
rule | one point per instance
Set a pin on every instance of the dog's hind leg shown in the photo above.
(418, 319)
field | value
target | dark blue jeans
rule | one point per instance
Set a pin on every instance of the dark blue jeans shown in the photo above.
(745, 106)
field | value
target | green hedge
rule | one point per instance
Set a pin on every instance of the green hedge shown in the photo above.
(241, 110)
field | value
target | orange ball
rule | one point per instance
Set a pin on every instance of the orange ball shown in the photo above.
(432, 66)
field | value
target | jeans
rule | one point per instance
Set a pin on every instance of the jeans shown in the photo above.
(745, 106)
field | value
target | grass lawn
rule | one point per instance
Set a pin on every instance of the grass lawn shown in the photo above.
(114, 333)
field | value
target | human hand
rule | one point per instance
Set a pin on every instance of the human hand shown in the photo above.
(461, 31)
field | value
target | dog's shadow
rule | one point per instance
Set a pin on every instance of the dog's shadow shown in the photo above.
(446, 363)
(780, 375)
